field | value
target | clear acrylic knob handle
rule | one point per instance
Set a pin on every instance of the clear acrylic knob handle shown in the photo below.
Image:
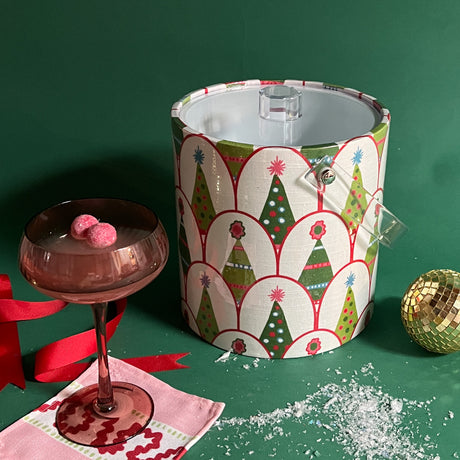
(280, 109)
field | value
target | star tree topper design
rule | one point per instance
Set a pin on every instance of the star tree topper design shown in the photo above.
(205, 280)
(357, 156)
(277, 295)
(198, 156)
(277, 167)
(350, 280)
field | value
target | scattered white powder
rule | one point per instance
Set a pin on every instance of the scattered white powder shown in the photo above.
(362, 420)
(224, 357)
(255, 363)
(367, 369)
(449, 416)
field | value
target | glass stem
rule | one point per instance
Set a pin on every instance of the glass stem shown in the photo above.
(105, 402)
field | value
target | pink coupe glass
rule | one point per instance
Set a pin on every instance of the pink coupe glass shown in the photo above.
(62, 267)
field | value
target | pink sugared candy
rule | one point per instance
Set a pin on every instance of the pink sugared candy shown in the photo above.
(101, 235)
(81, 224)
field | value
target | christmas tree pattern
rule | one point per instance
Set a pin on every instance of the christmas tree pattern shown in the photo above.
(177, 134)
(317, 272)
(373, 246)
(184, 251)
(312, 154)
(276, 215)
(205, 318)
(349, 316)
(234, 154)
(356, 204)
(380, 133)
(238, 270)
(276, 336)
(201, 200)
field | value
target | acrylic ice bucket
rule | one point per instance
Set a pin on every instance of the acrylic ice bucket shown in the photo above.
(279, 188)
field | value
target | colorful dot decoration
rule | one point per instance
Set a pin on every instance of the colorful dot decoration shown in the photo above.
(430, 311)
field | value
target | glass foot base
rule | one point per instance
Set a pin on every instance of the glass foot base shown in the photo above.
(77, 420)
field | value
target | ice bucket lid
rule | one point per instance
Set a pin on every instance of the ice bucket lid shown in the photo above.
(328, 114)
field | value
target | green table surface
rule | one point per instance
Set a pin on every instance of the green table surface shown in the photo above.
(85, 96)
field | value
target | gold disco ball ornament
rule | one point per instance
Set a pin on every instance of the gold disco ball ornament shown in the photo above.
(430, 311)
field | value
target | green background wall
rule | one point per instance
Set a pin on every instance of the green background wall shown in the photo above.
(86, 89)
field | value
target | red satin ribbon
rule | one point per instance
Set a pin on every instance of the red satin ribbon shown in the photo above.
(57, 362)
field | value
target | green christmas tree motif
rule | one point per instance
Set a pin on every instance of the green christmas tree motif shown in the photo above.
(276, 336)
(373, 245)
(317, 272)
(380, 132)
(238, 270)
(349, 316)
(177, 134)
(234, 154)
(184, 251)
(205, 318)
(356, 204)
(312, 154)
(276, 215)
(201, 200)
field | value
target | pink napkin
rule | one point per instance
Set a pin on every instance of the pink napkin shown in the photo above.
(179, 421)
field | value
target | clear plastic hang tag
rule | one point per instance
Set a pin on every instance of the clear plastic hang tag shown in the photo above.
(333, 182)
